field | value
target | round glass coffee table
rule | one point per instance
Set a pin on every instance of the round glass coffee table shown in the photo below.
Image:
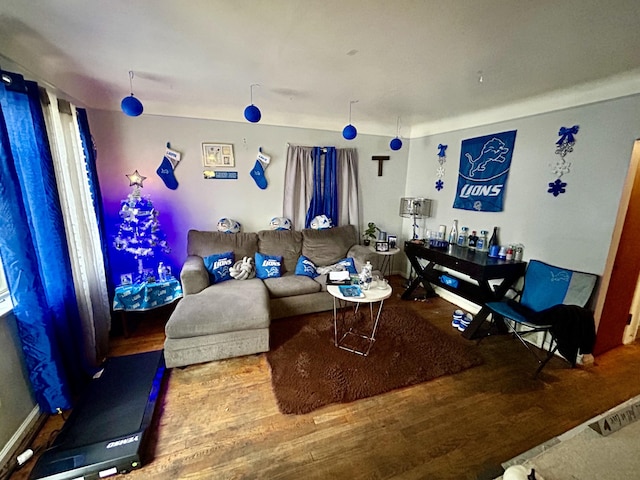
(341, 305)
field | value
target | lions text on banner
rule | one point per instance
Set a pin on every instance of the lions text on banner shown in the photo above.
(484, 168)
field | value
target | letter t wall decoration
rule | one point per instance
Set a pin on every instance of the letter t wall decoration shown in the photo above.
(380, 159)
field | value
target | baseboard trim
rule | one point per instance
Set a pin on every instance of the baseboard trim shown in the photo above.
(20, 439)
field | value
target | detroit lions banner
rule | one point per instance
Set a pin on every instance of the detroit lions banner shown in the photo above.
(484, 168)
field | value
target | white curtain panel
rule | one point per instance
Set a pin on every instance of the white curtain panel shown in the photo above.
(81, 226)
(348, 202)
(298, 185)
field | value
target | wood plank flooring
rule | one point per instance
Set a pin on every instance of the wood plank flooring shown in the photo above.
(220, 420)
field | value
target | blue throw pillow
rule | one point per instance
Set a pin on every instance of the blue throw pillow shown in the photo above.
(306, 267)
(268, 266)
(349, 265)
(218, 266)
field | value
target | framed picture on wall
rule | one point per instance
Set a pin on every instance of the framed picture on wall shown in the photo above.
(218, 155)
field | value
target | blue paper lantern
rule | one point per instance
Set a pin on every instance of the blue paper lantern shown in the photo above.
(131, 106)
(349, 132)
(252, 113)
(396, 144)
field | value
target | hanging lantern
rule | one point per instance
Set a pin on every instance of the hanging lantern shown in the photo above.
(252, 113)
(131, 105)
(350, 132)
(396, 143)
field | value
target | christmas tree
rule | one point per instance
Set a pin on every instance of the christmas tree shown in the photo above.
(139, 233)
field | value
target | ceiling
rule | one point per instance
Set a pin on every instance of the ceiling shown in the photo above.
(412, 66)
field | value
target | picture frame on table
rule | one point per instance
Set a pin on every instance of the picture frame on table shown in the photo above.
(382, 246)
(393, 241)
(218, 155)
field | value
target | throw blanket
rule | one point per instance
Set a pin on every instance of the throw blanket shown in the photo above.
(572, 326)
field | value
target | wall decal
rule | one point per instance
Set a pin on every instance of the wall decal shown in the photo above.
(442, 159)
(564, 146)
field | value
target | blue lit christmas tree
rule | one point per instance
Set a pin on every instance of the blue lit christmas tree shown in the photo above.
(139, 233)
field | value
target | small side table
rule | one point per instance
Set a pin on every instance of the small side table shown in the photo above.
(340, 302)
(387, 260)
(140, 297)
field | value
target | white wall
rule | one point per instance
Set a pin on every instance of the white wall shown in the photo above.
(572, 230)
(128, 143)
(16, 399)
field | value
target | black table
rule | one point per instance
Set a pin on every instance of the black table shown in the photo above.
(474, 264)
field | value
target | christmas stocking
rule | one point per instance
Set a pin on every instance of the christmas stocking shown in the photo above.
(167, 167)
(261, 165)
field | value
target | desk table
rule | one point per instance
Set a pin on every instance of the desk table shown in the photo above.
(476, 265)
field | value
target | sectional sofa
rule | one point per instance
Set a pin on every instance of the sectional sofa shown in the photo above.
(231, 318)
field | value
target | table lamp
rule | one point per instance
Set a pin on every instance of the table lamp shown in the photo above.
(415, 207)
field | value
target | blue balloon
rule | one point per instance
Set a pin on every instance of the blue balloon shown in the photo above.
(349, 132)
(131, 106)
(396, 144)
(252, 113)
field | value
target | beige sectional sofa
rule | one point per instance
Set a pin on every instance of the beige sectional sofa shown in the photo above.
(231, 318)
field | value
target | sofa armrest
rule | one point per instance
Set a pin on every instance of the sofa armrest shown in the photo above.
(194, 276)
(361, 254)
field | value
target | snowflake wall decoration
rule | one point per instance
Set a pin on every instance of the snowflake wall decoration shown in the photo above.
(564, 146)
(442, 159)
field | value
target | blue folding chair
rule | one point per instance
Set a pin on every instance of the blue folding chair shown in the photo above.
(553, 301)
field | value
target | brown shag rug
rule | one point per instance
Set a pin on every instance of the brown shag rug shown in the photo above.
(308, 371)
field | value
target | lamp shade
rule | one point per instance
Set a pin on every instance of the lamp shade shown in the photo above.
(415, 207)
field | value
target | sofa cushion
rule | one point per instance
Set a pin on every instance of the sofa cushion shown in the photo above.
(218, 265)
(291, 285)
(268, 266)
(204, 244)
(287, 243)
(306, 267)
(223, 307)
(326, 247)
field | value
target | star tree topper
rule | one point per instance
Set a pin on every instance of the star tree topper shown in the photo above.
(136, 179)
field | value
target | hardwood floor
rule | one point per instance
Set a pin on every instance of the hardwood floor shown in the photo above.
(220, 420)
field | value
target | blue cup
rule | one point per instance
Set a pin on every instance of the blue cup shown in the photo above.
(494, 251)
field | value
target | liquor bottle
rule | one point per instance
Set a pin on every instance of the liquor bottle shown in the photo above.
(494, 244)
(463, 237)
(453, 234)
(482, 243)
(473, 240)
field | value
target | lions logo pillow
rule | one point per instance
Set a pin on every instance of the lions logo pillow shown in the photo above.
(306, 267)
(218, 265)
(268, 266)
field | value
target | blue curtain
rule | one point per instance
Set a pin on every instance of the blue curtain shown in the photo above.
(316, 205)
(330, 200)
(34, 249)
(324, 200)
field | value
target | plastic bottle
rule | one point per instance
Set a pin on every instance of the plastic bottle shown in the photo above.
(453, 233)
(482, 244)
(494, 244)
(509, 255)
(473, 240)
(463, 237)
